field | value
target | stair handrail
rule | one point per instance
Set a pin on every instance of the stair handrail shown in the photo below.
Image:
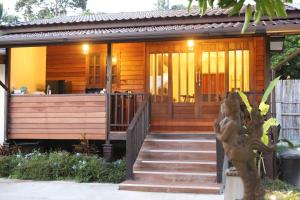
(137, 131)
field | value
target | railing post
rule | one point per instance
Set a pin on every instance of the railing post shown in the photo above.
(129, 165)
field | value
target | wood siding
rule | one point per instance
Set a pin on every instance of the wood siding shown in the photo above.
(258, 66)
(57, 117)
(131, 63)
(67, 62)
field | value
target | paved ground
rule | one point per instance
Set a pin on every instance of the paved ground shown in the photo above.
(65, 190)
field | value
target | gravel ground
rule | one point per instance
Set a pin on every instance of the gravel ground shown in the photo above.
(68, 190)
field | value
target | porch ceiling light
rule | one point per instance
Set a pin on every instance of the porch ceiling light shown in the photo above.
(276, 43)
(114, 60)
(85, 49)
(190, 44)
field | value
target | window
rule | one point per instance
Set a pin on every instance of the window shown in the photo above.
(159, 76)
(94, 71)
(239, 70)
(183, 76)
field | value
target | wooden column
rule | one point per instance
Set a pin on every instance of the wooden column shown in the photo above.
(269, 158)
(107, 147)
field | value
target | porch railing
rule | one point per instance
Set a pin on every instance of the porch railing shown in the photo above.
(123, 107)
(137, 131)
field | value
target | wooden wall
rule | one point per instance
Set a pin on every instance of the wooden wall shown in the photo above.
(67, 62)
(131, 58)
(259, 64)
(57, 117)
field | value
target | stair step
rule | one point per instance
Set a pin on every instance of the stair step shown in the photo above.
(175, 177)
(175, 154)
(182, 135)
(180, 188)
(178, 166)
(182, 144)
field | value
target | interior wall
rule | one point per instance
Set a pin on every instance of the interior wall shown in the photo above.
(28, 68)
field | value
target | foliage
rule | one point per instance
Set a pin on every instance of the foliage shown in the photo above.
(5, 17)
(61, 166)
(270, 8)
(281, 190)
(41, 9)
(292, 67)
(165, 5)
(162, 5)
(85, 147)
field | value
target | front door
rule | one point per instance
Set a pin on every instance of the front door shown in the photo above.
(189, 82)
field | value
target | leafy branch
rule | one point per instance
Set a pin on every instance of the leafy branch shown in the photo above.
(269, 8)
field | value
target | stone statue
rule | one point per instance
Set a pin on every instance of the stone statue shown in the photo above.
(240, 133)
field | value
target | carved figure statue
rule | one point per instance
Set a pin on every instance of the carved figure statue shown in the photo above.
(240, 133)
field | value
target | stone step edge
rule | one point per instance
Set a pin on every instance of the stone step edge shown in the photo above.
(175, 173)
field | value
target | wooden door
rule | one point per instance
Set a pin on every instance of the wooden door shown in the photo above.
(223, 65)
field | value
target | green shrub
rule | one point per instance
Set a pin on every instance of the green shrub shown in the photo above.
(7, 165)
(61, 166)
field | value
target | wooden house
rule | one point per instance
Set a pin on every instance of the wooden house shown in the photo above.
(154, 79)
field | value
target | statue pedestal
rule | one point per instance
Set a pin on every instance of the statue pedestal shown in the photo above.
(234, 187)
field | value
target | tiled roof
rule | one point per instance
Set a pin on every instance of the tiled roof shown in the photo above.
(141, 26)
(129, 16)
(154, 31)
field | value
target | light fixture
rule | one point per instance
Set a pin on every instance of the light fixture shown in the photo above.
(276, 43)
(190, 44)
(85, 48)
(114, 60)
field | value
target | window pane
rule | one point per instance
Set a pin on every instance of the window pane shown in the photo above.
(221, 68)
(183, 75)
(165, 74)
(175, 80)
(239, 66)
(246, 70)
(158, 74)
(191, 75)
(152, 73)
(231, 70)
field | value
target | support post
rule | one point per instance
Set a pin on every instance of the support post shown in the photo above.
(107, 147)
(269, 158)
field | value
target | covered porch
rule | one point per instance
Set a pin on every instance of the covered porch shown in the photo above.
(65, 91)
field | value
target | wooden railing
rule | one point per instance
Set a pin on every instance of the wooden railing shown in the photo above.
(137, 131)
(123, 107)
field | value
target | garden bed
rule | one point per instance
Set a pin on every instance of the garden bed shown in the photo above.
(61, 166)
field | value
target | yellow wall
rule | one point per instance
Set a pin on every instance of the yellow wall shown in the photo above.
(28, 68)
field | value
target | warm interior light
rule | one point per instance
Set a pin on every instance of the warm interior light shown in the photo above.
(114, 60)
(273, 197)
(190, 43)
(85, 48)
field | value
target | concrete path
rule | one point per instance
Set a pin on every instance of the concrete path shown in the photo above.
(67, 190)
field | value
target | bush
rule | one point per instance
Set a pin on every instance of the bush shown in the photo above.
(280, 190)
(61, 166)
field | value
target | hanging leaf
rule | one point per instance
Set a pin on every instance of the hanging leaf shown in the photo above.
(245, 100)
(266, 126)
(190, 5)
(236, 9)
(211, 3)
(248, 16)
(264, 108)
(270, 89)
(279, 8)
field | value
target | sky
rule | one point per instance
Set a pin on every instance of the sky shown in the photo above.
(111, 6)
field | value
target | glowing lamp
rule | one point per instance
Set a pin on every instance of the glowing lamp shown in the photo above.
(85, 48)
(114, 60)
(190, 44)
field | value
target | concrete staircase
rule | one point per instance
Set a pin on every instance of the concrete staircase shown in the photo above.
(175, 162)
